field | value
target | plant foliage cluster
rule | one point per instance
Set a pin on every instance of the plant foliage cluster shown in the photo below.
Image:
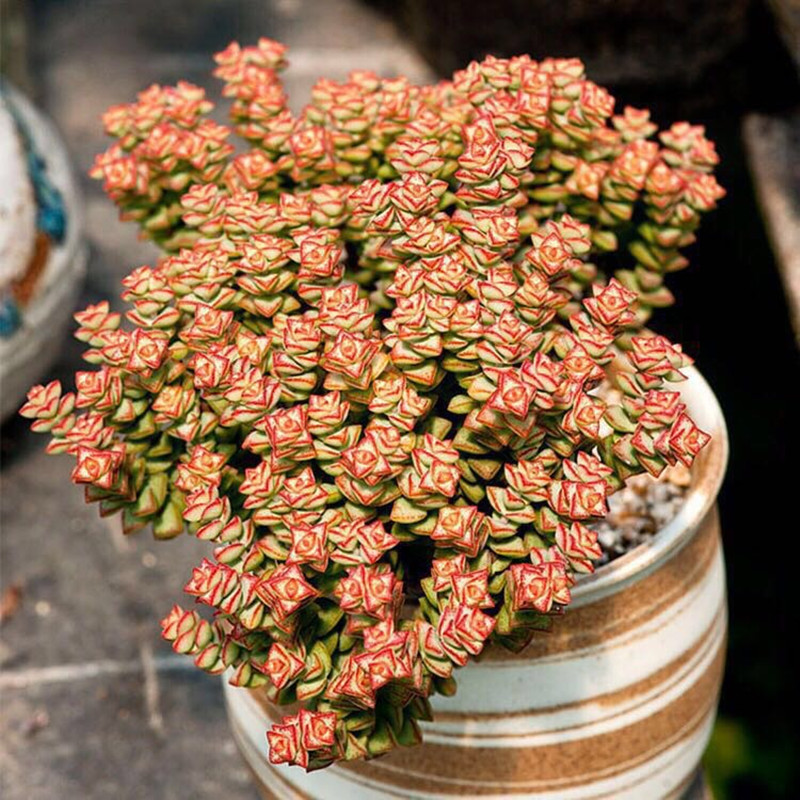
(366, 368)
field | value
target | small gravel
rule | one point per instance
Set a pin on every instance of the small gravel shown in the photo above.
(640, 510)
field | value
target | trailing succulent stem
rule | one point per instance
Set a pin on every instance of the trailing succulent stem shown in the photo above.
(366, 369)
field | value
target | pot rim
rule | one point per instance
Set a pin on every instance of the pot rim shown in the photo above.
(701, 497)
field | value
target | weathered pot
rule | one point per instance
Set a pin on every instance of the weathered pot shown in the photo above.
(46, 231)
(617, 702)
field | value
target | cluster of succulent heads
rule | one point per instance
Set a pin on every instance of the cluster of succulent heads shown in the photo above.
(391, 366)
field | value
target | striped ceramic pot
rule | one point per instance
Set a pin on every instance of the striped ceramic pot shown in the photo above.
(617, 702)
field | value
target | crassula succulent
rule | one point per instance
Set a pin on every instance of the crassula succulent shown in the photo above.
(369, 367)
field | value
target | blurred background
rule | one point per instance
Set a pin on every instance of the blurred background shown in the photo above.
(93, 705)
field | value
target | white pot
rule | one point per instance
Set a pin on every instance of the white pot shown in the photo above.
(617, 702)
(28, 353)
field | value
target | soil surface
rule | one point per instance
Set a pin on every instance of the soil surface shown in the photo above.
(640, 510)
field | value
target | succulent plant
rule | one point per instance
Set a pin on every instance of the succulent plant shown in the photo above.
(368, 369)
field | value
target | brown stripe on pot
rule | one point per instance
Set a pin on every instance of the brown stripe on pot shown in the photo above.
(451, 769)
(289, 789)
(680, 791)
(274, 713)
(663, 679)
(295, 793)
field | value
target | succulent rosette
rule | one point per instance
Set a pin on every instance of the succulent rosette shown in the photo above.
(369, 369)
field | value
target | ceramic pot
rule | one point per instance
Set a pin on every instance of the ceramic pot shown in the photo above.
(36, 317)
(617, 702)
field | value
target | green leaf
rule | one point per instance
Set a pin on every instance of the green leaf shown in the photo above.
(616, 417)
(640, 251)
(466, 442)
(487, 468)
(169, 523)
(445, 686)
(605, 241)
(461, 404)
(474, 492)
(509, 548)
(406, 512)
(328, 618)
(380, 740)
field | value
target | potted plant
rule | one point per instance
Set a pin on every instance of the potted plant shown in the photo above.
(393, 365)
